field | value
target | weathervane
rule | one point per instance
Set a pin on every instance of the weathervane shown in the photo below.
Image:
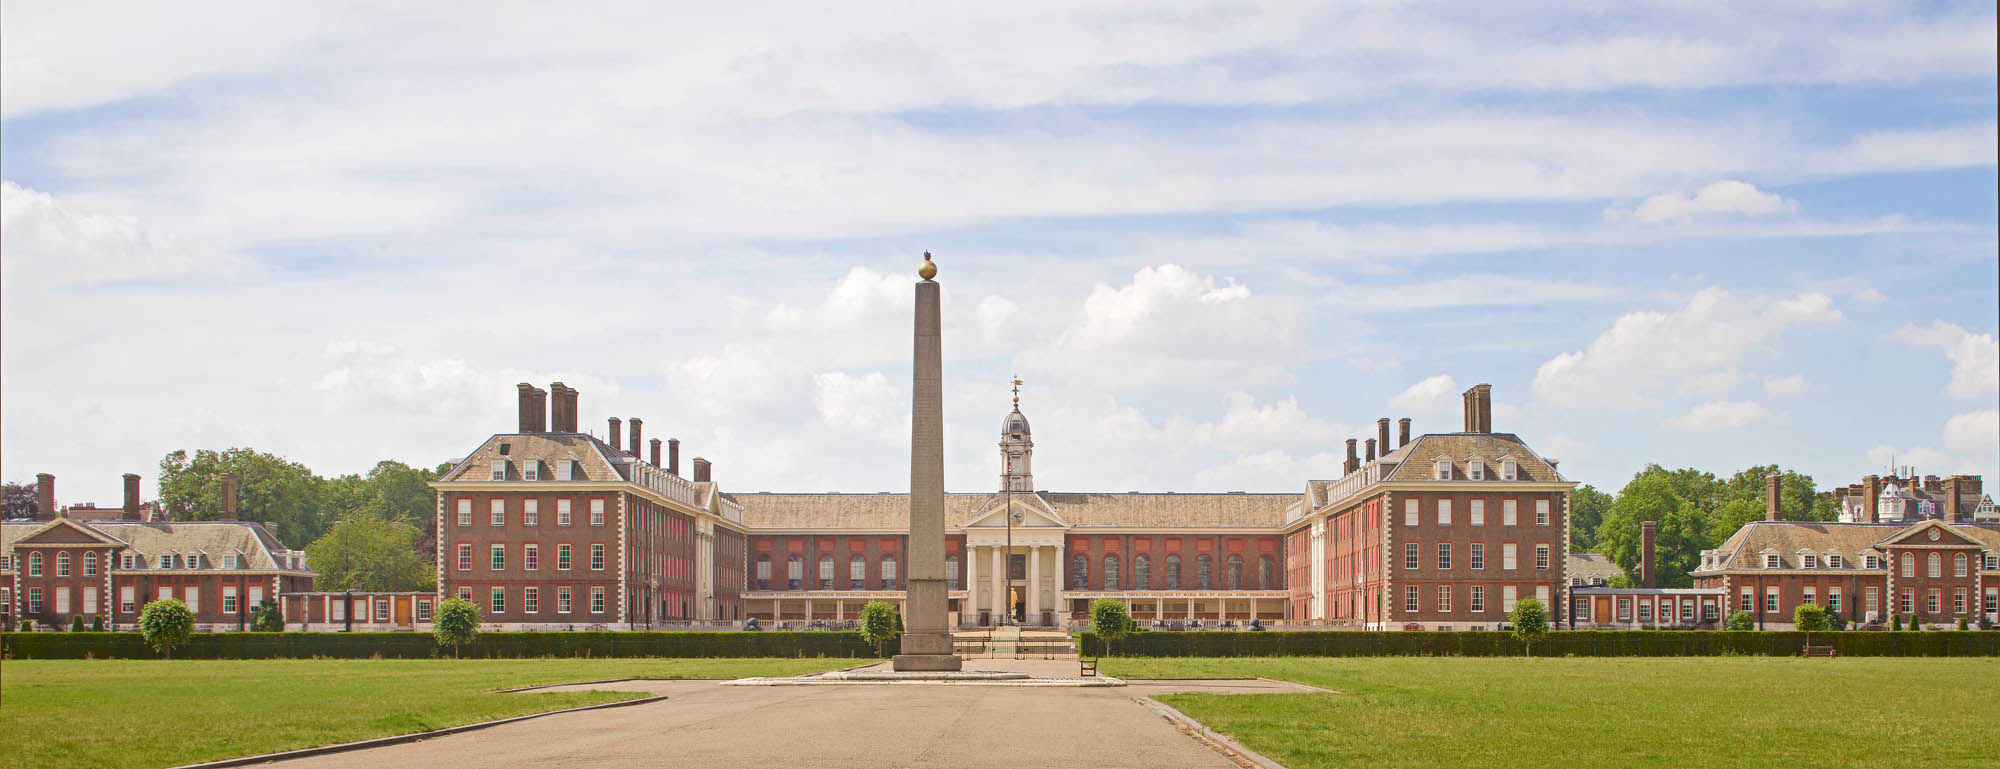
(1017, 391)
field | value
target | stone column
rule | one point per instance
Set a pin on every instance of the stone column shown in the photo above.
(968, 610)
(1035, 572)
(926, 643)
(999, 584)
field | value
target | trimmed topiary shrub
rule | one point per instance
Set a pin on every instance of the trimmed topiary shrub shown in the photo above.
(1577, 643)
(76, 624)
(1895, 622)
(165, 624)
(880, 624)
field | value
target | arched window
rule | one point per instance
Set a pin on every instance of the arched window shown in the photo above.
(795, 572)
(34, 564)
(888, 572)
(1934, 562)
(857, 572)
(1235, 574)
(763, 572)
(825, 572)
(1079, 573)
(1204, 572)
(1142, 572)
(951, 571)
(1909, 565)
(90, 565)
(1110, 572)
(1958, 565)
(1173, 575)
(1264, 573)
(62, 563)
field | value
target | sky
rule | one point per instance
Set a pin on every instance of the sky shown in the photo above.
(1214, 240)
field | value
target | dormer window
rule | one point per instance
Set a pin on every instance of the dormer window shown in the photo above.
(166, 560)
(1809, 561)
(1509, 470)
(531, 470)
(565, 470)
(1834, 561)
(1771, 561)
(1443, 470)
(499, 470)
(1871, 562)
(232, 561)
(1475, 470)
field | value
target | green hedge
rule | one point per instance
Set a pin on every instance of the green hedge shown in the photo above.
(1576, 643)
(600, 643)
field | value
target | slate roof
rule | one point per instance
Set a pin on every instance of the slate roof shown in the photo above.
(1791, 539)
(1592, 566)
(1080, 510)
(1414, 461)
(212, 538)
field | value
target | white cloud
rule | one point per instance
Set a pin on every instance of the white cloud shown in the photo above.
(1923, 458)
(1973, 432)
(1724, 197)
(1435, 395)
(1170, 327)
(1975, 358)
(45, 240)
(1693, 349)
(1870, 295)
(996, 314)
(1785, 387)
(867, 402)
(1719, 415)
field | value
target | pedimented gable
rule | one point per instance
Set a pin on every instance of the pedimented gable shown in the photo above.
(63, 531)
(1035, 513)
(1929, 534)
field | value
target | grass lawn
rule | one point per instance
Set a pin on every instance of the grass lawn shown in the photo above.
(1652, 712)
(131, 713)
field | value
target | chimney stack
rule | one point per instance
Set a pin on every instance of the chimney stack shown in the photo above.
(674, 456)
(1353, 460)
(1402, 432)
(228, 496)
(636, 442)
(701, 470)
(655, 443)
(1479, 409)
(131, 497)
(45, 497)
(1953, 509)
(1648, 532)
(1871, 498)
(562, 408)
(1382, 435)
(612, 434)
(1371, 450)
(534, 408)
(1772, 484)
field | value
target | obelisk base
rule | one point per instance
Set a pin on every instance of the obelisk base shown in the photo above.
(926, 645)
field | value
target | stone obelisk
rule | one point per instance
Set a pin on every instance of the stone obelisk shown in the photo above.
(926, 640)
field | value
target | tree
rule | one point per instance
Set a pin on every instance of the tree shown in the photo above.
(1895, 622)
(1110, 620)
(96, 623)
(371, 554)
(1809, 618)
(455, 623)
(266, 618)
(1682, 534)
(880, 624)
(76, 623)
(1961, 624)
(269, 488)
(1530, 619)
(17, 500)
(1587, 507)
(1740, 620)
(165, 624)
(1835, 622)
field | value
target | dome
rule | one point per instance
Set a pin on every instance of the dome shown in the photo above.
(1015, 423)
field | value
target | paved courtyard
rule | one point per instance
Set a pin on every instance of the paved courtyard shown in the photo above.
(703, 723)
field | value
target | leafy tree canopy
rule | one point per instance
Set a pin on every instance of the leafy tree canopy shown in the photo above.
(269, 488)
(370, 553)
(17, 500)
(1587, 507)
(1696, 511)
(165, 624)
(455, 623)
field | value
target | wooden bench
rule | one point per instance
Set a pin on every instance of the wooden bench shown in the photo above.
(1086, 666)
(1819, 651)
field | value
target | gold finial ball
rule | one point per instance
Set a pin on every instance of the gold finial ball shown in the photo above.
(929, 268)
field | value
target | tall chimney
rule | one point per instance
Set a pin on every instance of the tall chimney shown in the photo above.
(1952, 508)
(533, 408)
(612, 433)
(701, 470)
(1382, 435)
(1648, 532)
(1471, 412)
(562, 409)
(45, 497)
(656, 451)
(1772, 484)
(1353, 459)
(1371, 450)
(228, 496)
(131, 497)
(636, 443)
(1871, 493)
(1402, 432)
(674, 456)
(1479, 409)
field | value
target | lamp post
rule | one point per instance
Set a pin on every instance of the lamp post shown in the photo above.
(1007, 563)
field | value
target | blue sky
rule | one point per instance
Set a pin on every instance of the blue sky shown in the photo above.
(1215, 239)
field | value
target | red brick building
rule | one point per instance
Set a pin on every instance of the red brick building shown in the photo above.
(55, 568)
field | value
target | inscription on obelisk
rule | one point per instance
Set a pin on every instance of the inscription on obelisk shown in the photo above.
(926, 641)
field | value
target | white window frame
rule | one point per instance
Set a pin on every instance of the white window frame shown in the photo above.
(1809, 561)
(564, 469)
(531, 557)
(1478, 512)
(597, 600)
(497, 512)
(1542, 557)
(531, 470)
(1508, 595)
(563, 557)
(1444, 512)
(499, 470)
(1836, 561)
(381, 610)
(496, 600)
(498, 562)
(1443, 556)
(531, 600)
(1476, 560)
(423, 609)
(1771, 602)
(128, 598)
(465, 512)
(1772, 561)
(1542, 512)
(596, 557)
(1476, 470)
(563, 599)
(228, 599)
(562, 512)
(90, 564)
(1508, 559)
(531, 512)
(1443, 599)
(1442, 471)
(1412, 556)
(1833, 598)
(1809, 594)
(1411, 512)
(465, 556)
(597, 512)
(1510, 513)
(62, 563)
(1478, 599)
(1410, 599)
(1509, 470)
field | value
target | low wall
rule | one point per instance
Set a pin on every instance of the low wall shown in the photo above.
(1576, 643)
(52, 645)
